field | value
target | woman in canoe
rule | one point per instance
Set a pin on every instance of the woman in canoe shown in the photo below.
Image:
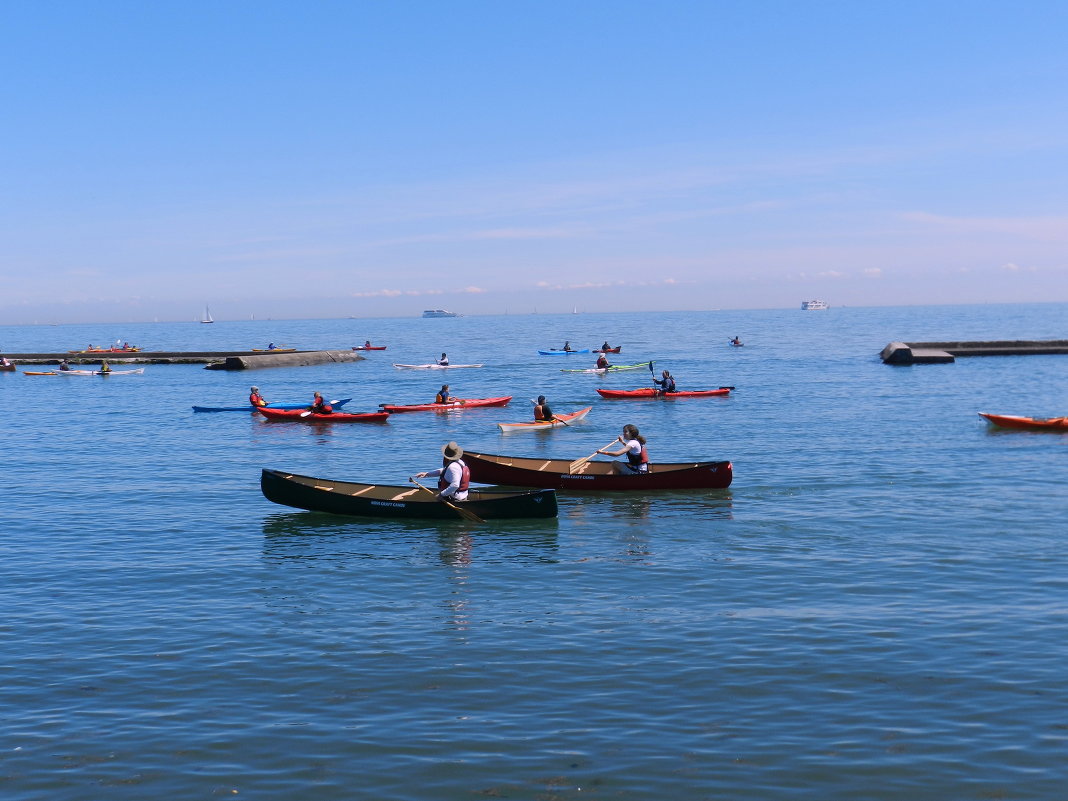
(634, 447)
(453, 476)
(665, 384)
(443, 395)
(542, 412)
(444, 360)
(255, 398)
(319, 406)
(602, 362)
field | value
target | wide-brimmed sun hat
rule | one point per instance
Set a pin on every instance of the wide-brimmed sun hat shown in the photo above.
(452, 451)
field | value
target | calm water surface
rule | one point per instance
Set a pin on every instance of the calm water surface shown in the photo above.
(876, 608)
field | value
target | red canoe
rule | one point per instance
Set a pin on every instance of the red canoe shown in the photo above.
(518, 471)
(1032, 423)
(335, 417)
(461, 403)
(365, 347)
(649, 392)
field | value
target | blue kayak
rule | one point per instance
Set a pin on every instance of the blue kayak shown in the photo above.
(250, 408)
(555, 352)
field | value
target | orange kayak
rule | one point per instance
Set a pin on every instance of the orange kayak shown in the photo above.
(1031, 423)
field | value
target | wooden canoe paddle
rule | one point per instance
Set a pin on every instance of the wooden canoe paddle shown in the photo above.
(578, 463)
(466, 514)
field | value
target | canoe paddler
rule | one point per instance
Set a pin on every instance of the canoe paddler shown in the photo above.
(255, 398)
(542, 412)
(443, 396)
(453, 476)
(634, 447)
(319, 406)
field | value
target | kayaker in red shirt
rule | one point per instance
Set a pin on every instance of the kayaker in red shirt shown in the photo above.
(602, 362)
(255, 398)
(319, 406)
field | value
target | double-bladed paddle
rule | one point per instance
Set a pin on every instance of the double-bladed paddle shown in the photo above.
(466, 514)
(578, 463)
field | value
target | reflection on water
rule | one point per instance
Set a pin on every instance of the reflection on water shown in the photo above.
(694, 505)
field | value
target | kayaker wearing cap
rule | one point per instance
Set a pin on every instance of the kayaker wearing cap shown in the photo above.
(319, 406)
(444, 397)
(443, 361)
(665, 384)
(602, 362)
(255, 398)
(453, 476)
(634, 447)
(542, 412)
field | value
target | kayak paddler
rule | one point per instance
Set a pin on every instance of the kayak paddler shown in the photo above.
(665, 384)
(105, 367)
(443, 395)
(542, 412)
(602, 362)
(319, 406)
(443, 361)
(255, 398)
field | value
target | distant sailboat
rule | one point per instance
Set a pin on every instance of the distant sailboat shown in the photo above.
(207, 315)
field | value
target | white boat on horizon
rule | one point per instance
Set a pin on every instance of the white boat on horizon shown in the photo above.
(813, 305)
(207, 315)
(440, 313)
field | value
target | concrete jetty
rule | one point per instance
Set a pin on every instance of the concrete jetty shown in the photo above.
(947, 352)
(213, 360)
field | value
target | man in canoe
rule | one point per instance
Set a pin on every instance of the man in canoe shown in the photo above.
(602, 362)
(319, 406)
(637, 461)
(542, 412)
(255, 398)
(665, 384)
(444, 360)
(443, 395)
(453, 476)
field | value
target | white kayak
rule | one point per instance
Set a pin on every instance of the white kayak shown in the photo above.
(559, 421)
(138, 371)
(433, 366)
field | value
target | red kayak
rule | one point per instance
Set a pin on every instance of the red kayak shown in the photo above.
(1032, 423)
(461, 403)
(649, 392)
(313, 417)
(616, 349)
(368, 347)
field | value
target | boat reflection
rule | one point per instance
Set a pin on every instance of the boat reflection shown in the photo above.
(694, 505)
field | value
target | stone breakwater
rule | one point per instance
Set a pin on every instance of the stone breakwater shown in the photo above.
(946, 352)
(213, 360)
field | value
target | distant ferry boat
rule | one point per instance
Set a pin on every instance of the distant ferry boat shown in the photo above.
(813, 305)
(440, 313)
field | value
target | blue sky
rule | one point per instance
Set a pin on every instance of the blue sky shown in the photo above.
(328, 159)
